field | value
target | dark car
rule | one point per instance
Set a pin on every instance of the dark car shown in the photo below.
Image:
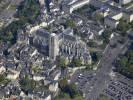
(114, 45)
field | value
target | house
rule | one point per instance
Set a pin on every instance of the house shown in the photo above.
(55, 74)
(22, 37)
(71, 5)
(38, 77)
(2, 64)
(128, 15)
(12, 89)
(40, 95)
(78, 4)
(2, 69)
(122, 2)
(112, 13)
(53, 87)
(42, 2)
(111, 22)
(86, 58)
(12, 75)
(2, 94)
(78, 21)
(48, 97)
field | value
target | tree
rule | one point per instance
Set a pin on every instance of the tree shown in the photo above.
(103, 97)
(72, 90)
(2, 78)
(91, 44)
(95, 56)
(106, 35)
(27, 83)
(63, 84)
(123, 61)
(99, 17)
(28, 12)
(76, 62)
(131, 25)
(68, 88)
(123, 26)
(70, 23)
(125, 64)
(62, 62)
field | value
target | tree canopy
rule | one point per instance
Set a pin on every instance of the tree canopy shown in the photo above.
(76, 62)
(27, 83)
(123, 26)
(61, 62)
(69, 90)
(27, 12)
(70, 23)
(125, 64)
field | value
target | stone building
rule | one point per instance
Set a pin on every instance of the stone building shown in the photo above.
(64, 44)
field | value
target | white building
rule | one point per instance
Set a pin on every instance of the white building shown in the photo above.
(71, 5)
(78, 4)
(123, 2)
(38, 77)
(13, 75)
(2, 69)
(54, 87)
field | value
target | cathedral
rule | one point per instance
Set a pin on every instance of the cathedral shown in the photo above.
(63, 44)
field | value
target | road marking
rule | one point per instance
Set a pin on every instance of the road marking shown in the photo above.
(105, 48)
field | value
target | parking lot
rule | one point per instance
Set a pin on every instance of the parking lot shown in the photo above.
(120, 89)
(83, 80)
(117, 89)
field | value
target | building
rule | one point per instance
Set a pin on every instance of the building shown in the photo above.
(128, 15)
(64, 44)
(113, 14)
(112, 23)
(78, 4)
(123, 2)
(12, 75)
(42, 3)
(71, 5)
(53, 46)
(47, 4)
(53, 87)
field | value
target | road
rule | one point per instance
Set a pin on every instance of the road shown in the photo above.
(105, 67)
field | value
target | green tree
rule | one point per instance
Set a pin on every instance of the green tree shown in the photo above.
(63, 84)
(69, 89)
(103, 97)
(27, 83)
(76, 62)
(28, 12)
(2, 78)
(99, 17)
(106, 35)
(123, 27)
(125, 64)
(124, 61)
(70, 23)
(62, 62)
(72, 90)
